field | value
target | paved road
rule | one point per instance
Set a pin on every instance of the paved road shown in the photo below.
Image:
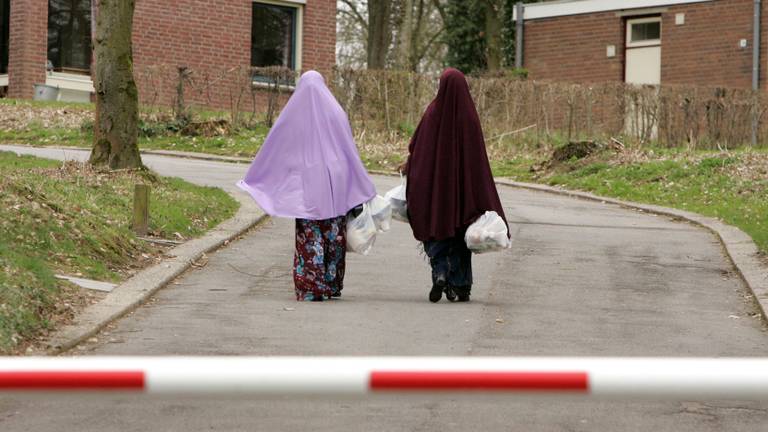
(582, 279)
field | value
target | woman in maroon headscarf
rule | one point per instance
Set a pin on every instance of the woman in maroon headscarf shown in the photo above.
(449, 185)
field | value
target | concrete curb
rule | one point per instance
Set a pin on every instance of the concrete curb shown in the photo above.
(171, 153)
(739, 247)
(139, 288)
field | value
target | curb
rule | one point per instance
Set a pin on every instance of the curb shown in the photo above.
(139, 288)
(197, 156)
(739, 247)
(171, 153)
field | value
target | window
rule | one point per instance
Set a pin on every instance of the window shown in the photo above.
(5, 12)
(274, 35)
(69, 35)
(644, 32)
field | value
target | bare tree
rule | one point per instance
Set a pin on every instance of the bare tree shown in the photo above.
(403, 34)
(379, 33)
(117, 107)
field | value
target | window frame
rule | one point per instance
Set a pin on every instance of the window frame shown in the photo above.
(68, 70)
(298, 36)
(645, 43)
(5, 39)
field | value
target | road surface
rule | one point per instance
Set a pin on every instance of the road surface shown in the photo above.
(582, 279)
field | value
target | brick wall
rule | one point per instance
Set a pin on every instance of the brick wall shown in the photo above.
(28, 46)
(208, 37)
(572, 48)
(703, 51)
(212, 38)
(320, 35)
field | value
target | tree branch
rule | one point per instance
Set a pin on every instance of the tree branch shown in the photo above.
(440, 9)
(354, 12)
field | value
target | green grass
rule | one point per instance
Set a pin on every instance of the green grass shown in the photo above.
(676, 177)
(45, 104)
(244, 142)
(41, 136)
(71, 219)
(706, 186)
(517, 168)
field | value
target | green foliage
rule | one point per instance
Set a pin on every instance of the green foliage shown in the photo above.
(406, 129)
(517, 73)
(508, 33)
(464, 36)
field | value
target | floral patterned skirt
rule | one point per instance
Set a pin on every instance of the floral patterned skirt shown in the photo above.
(319, 261)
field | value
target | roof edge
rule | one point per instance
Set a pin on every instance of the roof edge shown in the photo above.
(560, 8)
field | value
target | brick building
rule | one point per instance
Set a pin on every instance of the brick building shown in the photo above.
(49, 41)
(698, 42)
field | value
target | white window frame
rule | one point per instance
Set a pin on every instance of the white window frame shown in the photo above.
(4, 80)
(70, 81)
(299, 36)
(645, 43)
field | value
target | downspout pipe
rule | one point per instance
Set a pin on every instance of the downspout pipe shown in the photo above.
(520, 12)
(756, 47)
(756, 65)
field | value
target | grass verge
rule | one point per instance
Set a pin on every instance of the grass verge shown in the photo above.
(731, 186)
(71, 219)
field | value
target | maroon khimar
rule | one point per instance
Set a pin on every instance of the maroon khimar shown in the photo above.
(450, 183)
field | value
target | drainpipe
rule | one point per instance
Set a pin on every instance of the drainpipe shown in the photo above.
(756, 67)
(520, 10)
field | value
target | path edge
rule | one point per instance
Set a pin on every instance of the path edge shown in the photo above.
(738, 246)
(136, 290)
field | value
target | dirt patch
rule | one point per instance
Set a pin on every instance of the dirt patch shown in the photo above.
(208, 128)
(578, 150)
(22, 116)
(71, 302)
(751, 167)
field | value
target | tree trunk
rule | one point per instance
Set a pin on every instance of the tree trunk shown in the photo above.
(493, 26)
(117, 102)
(378, 33)
(406, 35)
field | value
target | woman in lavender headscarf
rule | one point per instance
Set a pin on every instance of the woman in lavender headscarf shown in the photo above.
(309, 169)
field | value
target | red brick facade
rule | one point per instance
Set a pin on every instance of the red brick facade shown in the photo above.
(703, 51)
(205, 36)
(28, 46)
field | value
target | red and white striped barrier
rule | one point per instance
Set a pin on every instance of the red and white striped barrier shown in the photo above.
(744, 379)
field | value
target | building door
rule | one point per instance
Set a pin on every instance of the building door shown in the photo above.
(643, 51)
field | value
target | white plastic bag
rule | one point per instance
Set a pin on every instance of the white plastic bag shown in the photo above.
(381, 211)
(396, 197)
(361, 232)
(488, 233)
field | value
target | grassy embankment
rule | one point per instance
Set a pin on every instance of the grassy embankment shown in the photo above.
(71, 219)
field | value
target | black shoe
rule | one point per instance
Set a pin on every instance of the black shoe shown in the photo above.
(463, 293)
(436, 293)
(336, 294)
(450, 294)
(437, 289)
